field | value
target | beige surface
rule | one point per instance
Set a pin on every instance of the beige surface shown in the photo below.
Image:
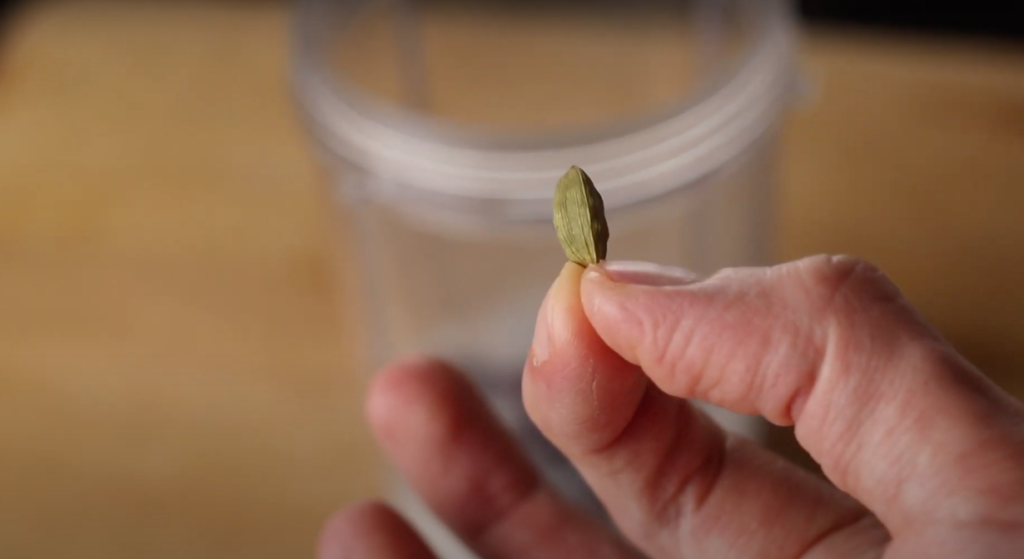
(174, 381)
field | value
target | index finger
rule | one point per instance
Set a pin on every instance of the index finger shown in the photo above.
(894, 416)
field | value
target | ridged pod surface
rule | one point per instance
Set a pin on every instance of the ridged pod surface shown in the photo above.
(579, 218)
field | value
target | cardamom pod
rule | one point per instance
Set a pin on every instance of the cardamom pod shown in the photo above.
(579, 218)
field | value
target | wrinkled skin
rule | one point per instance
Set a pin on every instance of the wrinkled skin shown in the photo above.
(925, 455)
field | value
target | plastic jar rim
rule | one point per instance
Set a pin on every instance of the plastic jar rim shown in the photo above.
(428, 160)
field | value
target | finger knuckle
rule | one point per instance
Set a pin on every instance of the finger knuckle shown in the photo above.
(833, 280)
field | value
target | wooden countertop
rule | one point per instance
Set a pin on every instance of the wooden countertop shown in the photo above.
(174, 374)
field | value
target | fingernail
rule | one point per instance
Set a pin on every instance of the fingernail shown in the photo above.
(643, 273)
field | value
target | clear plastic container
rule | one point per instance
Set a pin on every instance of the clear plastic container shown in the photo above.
(446, 126)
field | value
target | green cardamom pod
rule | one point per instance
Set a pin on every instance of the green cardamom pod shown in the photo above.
(579, 218)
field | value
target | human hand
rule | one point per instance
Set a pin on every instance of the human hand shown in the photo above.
(927, 454)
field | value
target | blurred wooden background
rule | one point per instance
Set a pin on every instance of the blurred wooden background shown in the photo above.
(175, 377)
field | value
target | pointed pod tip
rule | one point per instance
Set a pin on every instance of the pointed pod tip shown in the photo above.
(574, 170)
